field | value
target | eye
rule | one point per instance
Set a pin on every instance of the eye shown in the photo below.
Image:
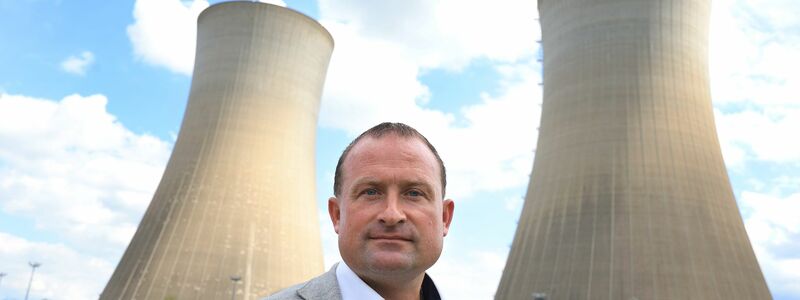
(370, 192)
(414, 193)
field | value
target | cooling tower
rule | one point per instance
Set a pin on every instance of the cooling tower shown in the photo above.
(237, 198)
(629, 196)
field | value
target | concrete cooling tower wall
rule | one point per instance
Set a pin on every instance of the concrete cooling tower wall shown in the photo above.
(629, 196)
(238, 195)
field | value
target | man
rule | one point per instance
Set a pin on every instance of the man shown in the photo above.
(391, 216)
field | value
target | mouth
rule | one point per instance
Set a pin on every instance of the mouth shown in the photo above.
(391, 238)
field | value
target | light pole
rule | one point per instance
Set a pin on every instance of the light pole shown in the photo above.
(235, 279)
(33, 265)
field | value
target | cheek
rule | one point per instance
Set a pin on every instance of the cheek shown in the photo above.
(431, 226)
(433, 218)
(352, 221)
(348, 235)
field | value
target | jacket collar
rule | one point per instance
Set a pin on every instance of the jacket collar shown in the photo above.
(327, 287)
(322, 287)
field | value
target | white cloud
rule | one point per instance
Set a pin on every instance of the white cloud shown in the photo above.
(64, 272)
(370, 81)
(384, 87)
(753, 52)
(164, 32)
(72, 169)
(381, 49)
(774, 230)
(276, 2)
(444, 33)
(78, 64)
(754, 72)
(764, 136)
(501, 131)
(468, 274)
(776, 15)
(755, 75)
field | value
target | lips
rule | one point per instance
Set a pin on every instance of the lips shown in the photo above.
(393, 233)
(390, 237)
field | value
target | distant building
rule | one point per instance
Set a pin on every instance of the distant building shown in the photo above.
(629, 197)
(237, 199)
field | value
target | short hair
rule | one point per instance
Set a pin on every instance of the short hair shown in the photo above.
(378, 131)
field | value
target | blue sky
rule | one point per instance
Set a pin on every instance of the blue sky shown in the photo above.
(92, 94)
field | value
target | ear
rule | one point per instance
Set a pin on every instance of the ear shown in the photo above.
(335, 212)
(447, 214)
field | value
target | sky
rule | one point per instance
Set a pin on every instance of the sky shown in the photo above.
(92, 94)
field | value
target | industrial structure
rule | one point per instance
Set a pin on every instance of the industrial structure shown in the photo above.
(629, 196)
(235, 216)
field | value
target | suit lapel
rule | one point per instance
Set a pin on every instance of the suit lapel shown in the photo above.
(322, 287)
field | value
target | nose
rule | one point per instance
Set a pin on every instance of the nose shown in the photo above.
(392, 214)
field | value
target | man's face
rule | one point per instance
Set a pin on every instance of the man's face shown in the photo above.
(390, 216)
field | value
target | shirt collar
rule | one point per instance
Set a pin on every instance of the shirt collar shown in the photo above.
(353, 288)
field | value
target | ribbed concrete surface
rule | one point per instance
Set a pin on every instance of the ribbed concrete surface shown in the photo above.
(238, 193)
(629, 197)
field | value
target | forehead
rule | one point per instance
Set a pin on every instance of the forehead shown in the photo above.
(390, 151)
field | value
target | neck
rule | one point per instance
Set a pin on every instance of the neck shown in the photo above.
(394, 289)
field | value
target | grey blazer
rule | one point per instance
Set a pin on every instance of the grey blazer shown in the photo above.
(322, 287)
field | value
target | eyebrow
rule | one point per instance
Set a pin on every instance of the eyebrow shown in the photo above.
(365, 181)
(372, 181)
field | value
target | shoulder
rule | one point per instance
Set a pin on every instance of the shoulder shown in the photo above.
(324, 286)
(289, 293)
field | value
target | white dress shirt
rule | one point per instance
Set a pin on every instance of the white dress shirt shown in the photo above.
(352, 287)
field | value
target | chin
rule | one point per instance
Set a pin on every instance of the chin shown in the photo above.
(390, 262)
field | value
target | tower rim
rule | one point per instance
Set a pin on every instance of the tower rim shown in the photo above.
(264, 4)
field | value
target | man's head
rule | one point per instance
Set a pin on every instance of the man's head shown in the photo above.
(379, 131)
(389, 209)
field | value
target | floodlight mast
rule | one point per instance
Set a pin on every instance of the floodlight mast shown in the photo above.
(33, 265)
